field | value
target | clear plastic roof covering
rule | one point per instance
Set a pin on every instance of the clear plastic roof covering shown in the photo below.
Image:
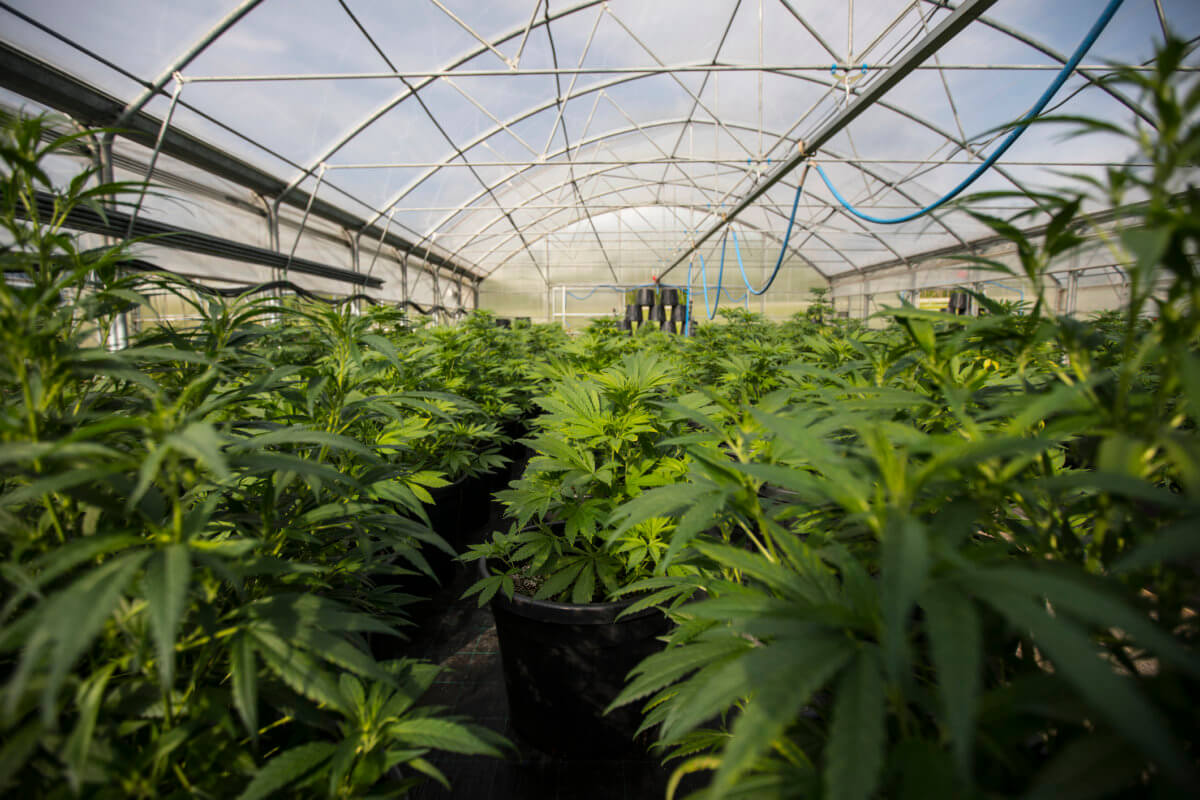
(546, 142)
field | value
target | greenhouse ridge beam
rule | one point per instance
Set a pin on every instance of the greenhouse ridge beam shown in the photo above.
(33, 78)
(116, 223)
(292, 77)
(950, 27)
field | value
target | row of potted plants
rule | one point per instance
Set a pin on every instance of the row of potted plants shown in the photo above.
(213, 539)
(952, 557)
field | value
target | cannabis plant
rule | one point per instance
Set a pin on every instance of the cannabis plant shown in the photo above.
(940, 597)
(600, 442)
(190, 526)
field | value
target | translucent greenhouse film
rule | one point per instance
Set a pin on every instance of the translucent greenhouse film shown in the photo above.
(537, 158)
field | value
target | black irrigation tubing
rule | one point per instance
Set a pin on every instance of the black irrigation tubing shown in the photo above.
(111, 222)
(302, 292)
(452, 311)
(259, 288)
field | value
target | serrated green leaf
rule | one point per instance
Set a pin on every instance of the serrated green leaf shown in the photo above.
(1095, 604)
(67, 624)
(857, 734)
(166, 584)
(243, 675)
(88, 699)
(559, 581)
(783, 678)
(287, 768)
(585, 585)
(956, 642)
(661, 501)
(906, 563)
(1172, 544)
(444, 735)
(1075, 658)
(1092, 766)
(18, 746)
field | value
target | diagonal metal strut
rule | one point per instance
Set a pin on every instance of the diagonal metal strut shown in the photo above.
(950, 27)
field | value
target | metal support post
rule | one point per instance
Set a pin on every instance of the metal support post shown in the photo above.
(354, 265)
(404, 282)
(272, 208)
(437, 293)
(118, 328)
(1072, 292)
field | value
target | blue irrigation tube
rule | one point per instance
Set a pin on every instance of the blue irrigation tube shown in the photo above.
(589, 294)
(687, 304)
(1089, 40)
(712, 312)
(782, 251)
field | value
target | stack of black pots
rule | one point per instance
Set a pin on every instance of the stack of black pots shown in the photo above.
(633, 316)
(675, 321)
(672, 320)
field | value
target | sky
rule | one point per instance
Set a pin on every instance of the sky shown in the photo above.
(516, 209)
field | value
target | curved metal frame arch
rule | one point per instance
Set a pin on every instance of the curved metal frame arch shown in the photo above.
(671, 206)
(795, 247)
(665, 123)
(524, 29)
(521, 116)
(374, 116)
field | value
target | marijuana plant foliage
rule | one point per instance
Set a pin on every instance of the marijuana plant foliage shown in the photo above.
(956, 558)
(190, 526)
(599, 443)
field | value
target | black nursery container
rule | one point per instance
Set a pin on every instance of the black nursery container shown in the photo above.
(633, 313)
(669, 297)
(564, 664)
(475, 507)
(657, 314)
(503, 322)
(667, 326)
(446, 517)
(645, 297)
(625, 325)
(679, 314)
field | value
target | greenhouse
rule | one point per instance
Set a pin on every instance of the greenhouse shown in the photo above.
(599, 399)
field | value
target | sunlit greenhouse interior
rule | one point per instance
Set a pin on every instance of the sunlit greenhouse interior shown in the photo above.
(599, 399)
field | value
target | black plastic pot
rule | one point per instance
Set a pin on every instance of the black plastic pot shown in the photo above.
(633, 313)
(518, 453)
(503, 322)
(475, 507)
(446, 519)
(679, 314)
(563, 665)
(625, 325)
(669, 297)
(657, 314)
(667, 326)
(645, 297)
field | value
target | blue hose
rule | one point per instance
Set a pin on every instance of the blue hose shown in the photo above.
(1037, 109)
(586, 296)
(712, 312)
(782, 251)
(687, 304)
